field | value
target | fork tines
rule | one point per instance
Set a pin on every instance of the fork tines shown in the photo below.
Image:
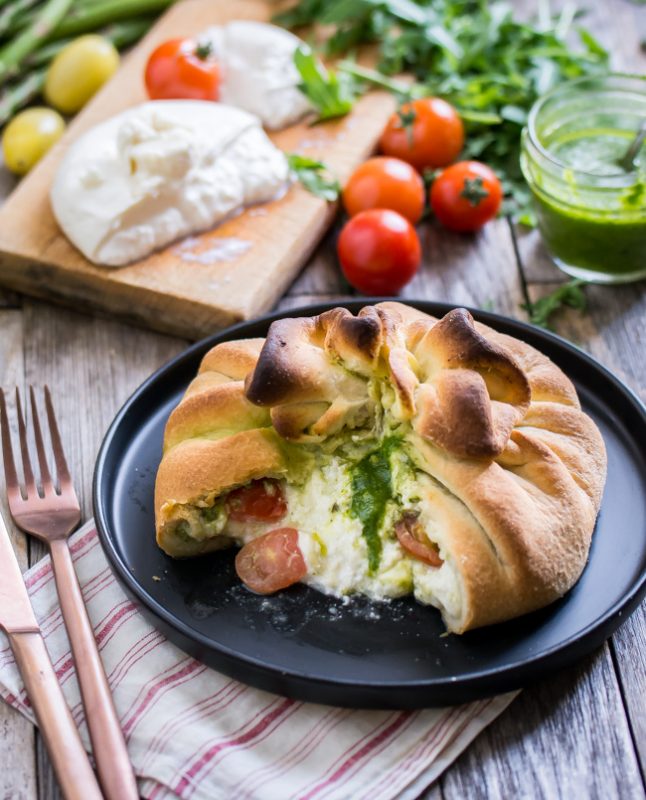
(47, 485)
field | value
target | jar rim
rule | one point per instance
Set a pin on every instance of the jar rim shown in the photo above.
(562, 88)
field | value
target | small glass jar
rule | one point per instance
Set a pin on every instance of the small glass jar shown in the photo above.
(591, 212)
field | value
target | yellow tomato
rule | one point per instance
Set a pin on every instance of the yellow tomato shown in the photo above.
(29, 136)
(79, 71)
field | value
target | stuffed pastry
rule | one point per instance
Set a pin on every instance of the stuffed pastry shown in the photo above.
(388, 453)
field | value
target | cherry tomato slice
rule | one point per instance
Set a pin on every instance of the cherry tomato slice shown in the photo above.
(465, 196)
(385, 183)
(273, 561)
(413, 539)
(182, 69)
(260, 501)
(379, 251)
(427, 133)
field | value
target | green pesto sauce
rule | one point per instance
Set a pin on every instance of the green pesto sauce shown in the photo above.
(183, 531)
(371, 490)
(605, 232)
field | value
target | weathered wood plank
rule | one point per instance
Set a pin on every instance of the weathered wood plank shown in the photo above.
(434, 792)
(322, 274)
(475, 270)
(566, 737)
(629, 644)
(91, 366)
(611, 328)
(297, 300)
(18, 772)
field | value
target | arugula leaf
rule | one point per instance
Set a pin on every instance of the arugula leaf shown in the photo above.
(570, 294)
(332, 94)
(314, 176)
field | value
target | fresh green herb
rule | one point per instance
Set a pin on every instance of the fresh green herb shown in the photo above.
(527, 218)
(473, 53)
(314, 176)
(331, 93)
(371, 491)
(570, 294)
(474, 191)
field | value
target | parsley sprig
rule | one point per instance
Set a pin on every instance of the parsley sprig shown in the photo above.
(569, 294)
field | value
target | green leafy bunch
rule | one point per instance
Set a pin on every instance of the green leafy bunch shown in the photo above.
(473, 53)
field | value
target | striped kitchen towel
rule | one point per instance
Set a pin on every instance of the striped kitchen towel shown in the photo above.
(194, 733)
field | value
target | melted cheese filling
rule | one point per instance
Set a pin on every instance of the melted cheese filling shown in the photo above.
(333, 543)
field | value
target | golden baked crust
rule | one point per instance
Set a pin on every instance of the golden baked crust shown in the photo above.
(516, 468)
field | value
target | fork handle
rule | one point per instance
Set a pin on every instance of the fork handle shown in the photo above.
(70, 761)
(109, 747)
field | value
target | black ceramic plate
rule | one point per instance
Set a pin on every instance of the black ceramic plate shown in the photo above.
(310, 646)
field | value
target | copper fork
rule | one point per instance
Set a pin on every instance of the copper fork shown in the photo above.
(51, 512)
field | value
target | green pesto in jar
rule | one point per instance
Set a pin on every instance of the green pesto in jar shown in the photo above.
(606, 238)
(590, 211)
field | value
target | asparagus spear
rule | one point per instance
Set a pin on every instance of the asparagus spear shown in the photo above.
(85, 15)
(16, 96)
(102, 12)
(11, 13)
(121, 34)
(26, 42)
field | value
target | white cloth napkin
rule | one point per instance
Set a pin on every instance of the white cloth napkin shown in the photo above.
(194, 733)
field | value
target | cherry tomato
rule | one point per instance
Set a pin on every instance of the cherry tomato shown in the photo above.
(184, 69)
(385, 183)
(427, 133)
(465, 196)
(260, 501)
(271, 562)
(379, 251)
(413, 539)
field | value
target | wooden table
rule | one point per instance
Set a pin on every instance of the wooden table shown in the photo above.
(580, 734)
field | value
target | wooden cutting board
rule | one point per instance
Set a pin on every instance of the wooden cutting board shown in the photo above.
(183, 289)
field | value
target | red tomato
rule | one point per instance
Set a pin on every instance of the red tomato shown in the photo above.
(465, 196)
(379, 251)
(428, 133)
(385, 183)
(184, 69)
(271, 562)
(260, 501)
(413, 539)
